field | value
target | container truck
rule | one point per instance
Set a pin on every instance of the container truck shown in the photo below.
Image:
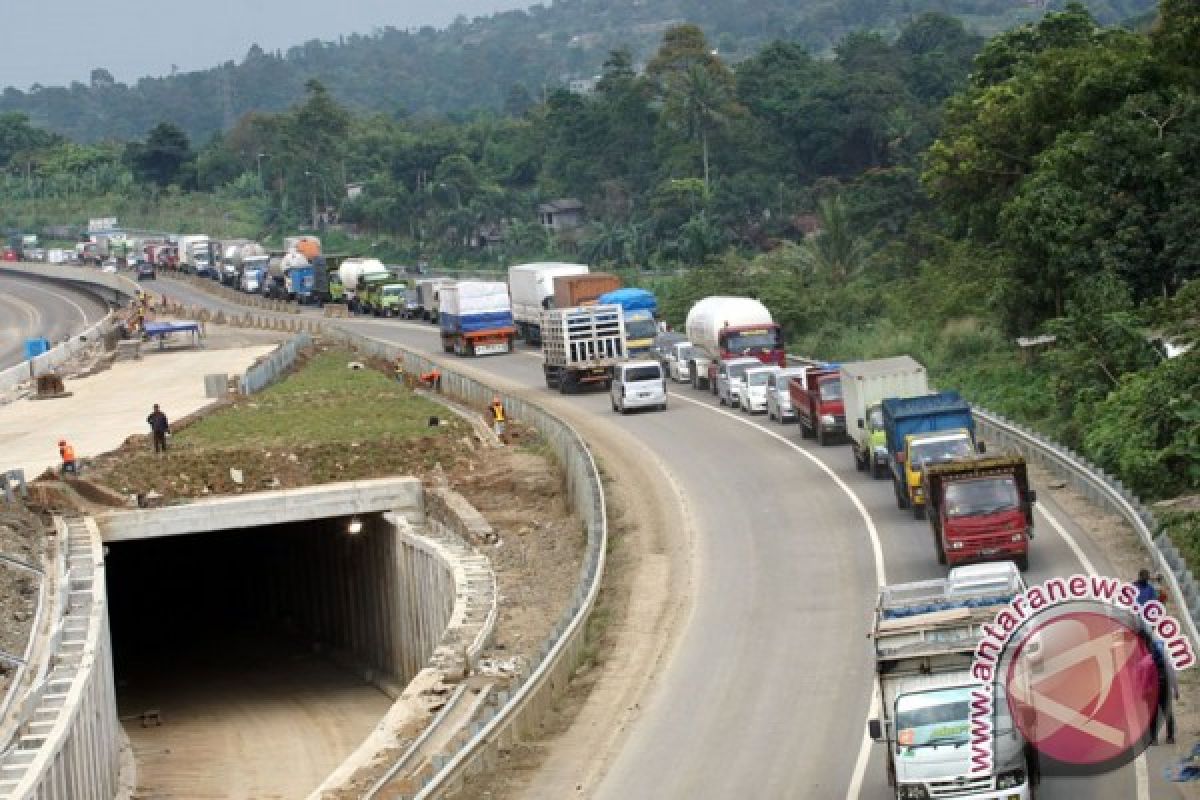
(981, 509)
(193, 253)
(641, 318)
(572, 291)
(816, 396)
(532, 288)
(864, 385)
(581, 345)
(924, 636)
(475, 318)
(928, 429)
(728, 327)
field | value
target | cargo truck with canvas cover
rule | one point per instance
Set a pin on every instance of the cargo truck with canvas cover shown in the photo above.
(928, 429)
(475, 318)
(924, 636)
(981, 509)
(729, 327)
(641, 318)
(532, 289)
(864, 386)
(571, 291)
(580, 346)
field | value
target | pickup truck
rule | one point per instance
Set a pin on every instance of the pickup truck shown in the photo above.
(924, 637)
(817, 402)
(921, 430)
(981, 509)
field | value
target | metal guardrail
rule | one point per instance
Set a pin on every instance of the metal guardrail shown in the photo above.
(267, 371)
(523, 705)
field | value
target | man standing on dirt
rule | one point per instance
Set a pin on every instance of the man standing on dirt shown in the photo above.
(158, 428)
(67, 453)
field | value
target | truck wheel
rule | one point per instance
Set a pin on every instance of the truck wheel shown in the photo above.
(822, 439)
(877, 470)
(858, 462)
(1023, 562)
(918, 511)
(901, 495)
(941, 550)
(614, 404)
(805, 431)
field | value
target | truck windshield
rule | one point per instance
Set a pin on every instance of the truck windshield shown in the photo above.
(940, 450)
(393, 291)
(933, 718)
(640, 329)
(983, 496)
(831, 390)
(745, 341)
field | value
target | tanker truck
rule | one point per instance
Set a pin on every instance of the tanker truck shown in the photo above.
(729, 327)
(354, 269)
(228, 264)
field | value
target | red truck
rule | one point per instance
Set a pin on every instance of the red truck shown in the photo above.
(981, 509)
(817, 399)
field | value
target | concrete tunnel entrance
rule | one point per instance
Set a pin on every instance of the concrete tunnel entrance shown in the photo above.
(251, 647)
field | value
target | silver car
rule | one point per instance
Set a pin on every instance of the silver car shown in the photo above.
(678, 359)
(638, 384)
(753, 398)
(779, 399)
(731, 376)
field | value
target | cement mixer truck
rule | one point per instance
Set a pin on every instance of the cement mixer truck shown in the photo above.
(729, 327)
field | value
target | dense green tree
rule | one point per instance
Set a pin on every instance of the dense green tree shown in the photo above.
(165, 157)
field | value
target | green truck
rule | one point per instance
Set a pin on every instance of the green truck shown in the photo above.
(382, 296)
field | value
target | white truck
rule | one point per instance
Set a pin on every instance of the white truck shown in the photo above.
(580, 346)
(924, 638)
(728, 327)
(864, 386)
(194, 255)
(531, 287)
(352, 269)
(427, 296)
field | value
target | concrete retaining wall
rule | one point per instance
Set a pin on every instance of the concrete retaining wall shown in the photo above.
(69, 742)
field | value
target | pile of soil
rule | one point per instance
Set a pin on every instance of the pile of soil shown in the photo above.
(22, 537)
(186, 471)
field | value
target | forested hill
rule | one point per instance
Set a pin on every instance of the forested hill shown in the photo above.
(501, 62)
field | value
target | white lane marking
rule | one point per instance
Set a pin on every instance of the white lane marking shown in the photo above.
(82, 315)
(1141, 772)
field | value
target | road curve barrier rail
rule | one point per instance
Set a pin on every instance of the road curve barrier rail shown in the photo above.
(1100, 489)
(526, 702)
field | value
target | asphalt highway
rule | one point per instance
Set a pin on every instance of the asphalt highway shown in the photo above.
(769, 688)
(31, 308)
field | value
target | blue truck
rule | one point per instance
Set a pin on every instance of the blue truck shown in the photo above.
(923, 430)
(640, 308)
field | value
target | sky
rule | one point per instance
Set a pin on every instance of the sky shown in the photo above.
(54, 42)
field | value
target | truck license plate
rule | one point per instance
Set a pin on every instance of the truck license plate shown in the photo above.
(989, 551)
(489, 349)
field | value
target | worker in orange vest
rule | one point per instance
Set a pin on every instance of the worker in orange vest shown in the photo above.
(67, 453)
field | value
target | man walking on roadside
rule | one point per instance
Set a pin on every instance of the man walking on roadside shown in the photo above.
(159, 428)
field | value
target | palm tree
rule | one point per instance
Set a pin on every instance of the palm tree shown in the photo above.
(835, 251)
(701, 105)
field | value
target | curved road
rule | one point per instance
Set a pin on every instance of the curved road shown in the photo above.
(31, 308)
(767, 691)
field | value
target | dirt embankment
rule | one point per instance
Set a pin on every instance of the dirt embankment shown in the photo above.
(23, 539)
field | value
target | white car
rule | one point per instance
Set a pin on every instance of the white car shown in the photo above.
(779, 399)
(731, 376)
(678, 359)
(754, 392)
(638, 384)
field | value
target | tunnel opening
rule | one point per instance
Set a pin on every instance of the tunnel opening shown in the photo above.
(235, 668)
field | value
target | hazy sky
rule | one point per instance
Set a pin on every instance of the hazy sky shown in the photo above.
(54, 42)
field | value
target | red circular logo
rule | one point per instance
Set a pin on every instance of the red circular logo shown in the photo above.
(1083, 688)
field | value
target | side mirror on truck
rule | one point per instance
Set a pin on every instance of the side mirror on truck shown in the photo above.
(1032, 496)
(981, 447)
(860, 425)
(875, 730)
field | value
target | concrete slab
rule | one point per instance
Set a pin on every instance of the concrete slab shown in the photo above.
(401, 495)
(105, 408)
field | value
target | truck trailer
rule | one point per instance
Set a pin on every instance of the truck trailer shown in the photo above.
(864, 386)
(475, 318)
(532, 289)
(924, 636)
(581, 345)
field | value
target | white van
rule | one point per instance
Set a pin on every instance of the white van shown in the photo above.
(638, 384)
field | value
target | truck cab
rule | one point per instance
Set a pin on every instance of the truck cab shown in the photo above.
(922, 450)
(924, 637)
(877, 441)
(981, 509)
(816, 397)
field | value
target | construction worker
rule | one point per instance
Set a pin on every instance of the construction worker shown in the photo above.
(432, 379)
(67, 453)
(497, 409)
